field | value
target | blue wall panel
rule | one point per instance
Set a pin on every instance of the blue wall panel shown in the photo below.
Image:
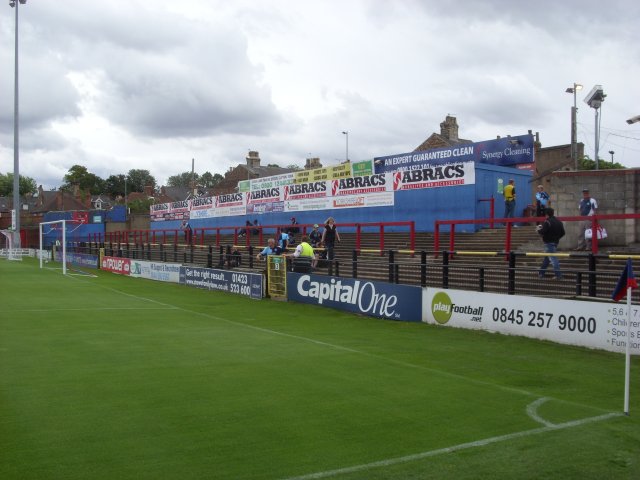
(75, 232)
(424, 206)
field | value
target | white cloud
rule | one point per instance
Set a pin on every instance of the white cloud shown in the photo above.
(133, 84)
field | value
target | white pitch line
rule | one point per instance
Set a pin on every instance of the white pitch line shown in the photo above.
(455, 448)
(94, 309)
(351, 350)
(532, 411)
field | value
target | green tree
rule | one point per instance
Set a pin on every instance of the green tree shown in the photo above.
(140, 206)
(207, 180)
(585, 163)
(183, 179)
(114, 185)
(26, 185)
(138, 179)
(79, 175)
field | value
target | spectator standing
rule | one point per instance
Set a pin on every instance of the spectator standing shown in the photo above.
(188, 232)
(509, 193)
(315, 236)
(542, 201)
(551, 230)
(270, 249)
(293, 229)
(587, 207)
(283, 240)
(329, 237)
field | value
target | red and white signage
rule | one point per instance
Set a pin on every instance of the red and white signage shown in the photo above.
(449, 175)
(81, 217)
(303, 191)
(266, 195)
(121, 266)
(364, 185)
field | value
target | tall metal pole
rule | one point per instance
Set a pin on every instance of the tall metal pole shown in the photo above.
(346, 132)
(16, 137)
(597, 138)
(574, 120)
(574, 128)
(193, 177)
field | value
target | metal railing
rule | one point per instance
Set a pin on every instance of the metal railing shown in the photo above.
(511, 222)
(587, 275)
(217, 235)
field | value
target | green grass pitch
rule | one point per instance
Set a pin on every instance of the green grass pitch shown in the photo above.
(109, 377)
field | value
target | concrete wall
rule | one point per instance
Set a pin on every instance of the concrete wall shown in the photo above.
(616, 191)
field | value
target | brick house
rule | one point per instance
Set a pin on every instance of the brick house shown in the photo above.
(247, 171)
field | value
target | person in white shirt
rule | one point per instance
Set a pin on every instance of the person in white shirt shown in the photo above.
(588, 207)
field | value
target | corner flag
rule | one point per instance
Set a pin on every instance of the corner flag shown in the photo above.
(626, 281)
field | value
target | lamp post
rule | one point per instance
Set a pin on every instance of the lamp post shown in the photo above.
(611, 152)
(346, 132)
(574, 129)
(16, 137)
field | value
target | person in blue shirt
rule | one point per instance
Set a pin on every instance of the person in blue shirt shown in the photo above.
(270, 249)
(542, 202)
(587, 207)
(283, 241)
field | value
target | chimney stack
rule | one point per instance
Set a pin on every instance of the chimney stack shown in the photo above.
(312, 163)
(253, 159)
(449, 128)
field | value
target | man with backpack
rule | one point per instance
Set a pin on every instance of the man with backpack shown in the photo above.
(551, 230)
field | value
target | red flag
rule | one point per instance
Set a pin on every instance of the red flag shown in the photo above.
(626, 280)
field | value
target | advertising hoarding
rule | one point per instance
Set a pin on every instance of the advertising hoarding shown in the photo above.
(162, 272)
(240, 283)
(371, 298)
(506, 152)
(118, 265)
(572, 322)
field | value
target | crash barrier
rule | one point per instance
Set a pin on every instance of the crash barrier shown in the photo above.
(585, 274)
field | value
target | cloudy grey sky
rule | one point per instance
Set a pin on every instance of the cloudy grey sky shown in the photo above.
(115, 85)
